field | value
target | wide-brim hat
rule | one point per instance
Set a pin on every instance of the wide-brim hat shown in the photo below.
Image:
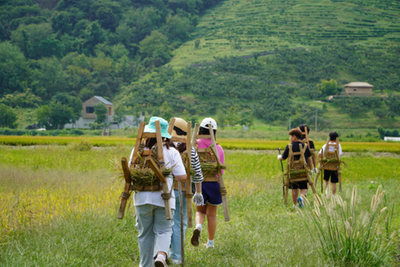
(180, 127)
(151, 127)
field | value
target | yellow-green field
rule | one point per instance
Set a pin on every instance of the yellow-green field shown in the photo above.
(58, 207)
(236, 144)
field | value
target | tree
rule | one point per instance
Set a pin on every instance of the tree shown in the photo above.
(23, 100)
(8, 117)
(14, 70)
(328, 87)
(101, 113)
(60, 115)
(156, 46)
(70, 101)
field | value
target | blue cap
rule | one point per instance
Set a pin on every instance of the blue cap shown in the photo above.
(151, 127)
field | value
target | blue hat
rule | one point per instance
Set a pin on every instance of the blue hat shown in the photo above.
(151, 127)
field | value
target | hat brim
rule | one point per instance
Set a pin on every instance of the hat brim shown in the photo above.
(149, 129)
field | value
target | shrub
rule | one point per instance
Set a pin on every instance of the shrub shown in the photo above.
(83, 145)
(349, 237)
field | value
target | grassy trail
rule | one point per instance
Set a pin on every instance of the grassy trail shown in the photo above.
(64, 214)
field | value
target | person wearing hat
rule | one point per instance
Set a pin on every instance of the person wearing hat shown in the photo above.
(295, 136)
(154, 230)
(211, 194)
(180, 129)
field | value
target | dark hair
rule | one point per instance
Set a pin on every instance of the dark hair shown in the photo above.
(150, 142)
(296, 132)
(302, 126)
(205, 131)
(333, 136)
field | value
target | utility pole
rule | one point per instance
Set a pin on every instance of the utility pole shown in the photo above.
(316, 119)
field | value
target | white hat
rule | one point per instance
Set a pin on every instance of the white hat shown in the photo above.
(207, 121)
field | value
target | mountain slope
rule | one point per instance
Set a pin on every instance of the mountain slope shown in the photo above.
(237, 27)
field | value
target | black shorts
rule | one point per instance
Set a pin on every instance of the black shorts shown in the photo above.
(298, 185)
(331, 174)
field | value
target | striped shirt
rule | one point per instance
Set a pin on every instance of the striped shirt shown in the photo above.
(198, 177)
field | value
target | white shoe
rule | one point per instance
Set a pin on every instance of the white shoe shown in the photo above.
(175, 261)
(209, 245)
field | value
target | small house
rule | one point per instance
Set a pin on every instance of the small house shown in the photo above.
(88, 107)
(358, 88)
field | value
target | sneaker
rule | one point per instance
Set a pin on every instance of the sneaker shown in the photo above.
(196, 237)
(300, 202)
(210, 245)
(160, 262)
(175, 261)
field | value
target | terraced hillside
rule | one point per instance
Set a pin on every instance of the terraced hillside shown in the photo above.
(242, 27)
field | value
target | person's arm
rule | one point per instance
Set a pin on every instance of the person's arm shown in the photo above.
(285, 154)
(181, 178)
(198, 177)
(178, 170)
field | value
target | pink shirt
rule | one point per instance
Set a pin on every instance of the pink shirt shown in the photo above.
(204, 143)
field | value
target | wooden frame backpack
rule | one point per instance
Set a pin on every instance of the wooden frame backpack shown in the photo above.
(330, 160)
(297, 170)
(186, 158)
(210, 155)
(146, 155)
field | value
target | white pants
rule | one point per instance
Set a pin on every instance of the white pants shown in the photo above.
(154, 232)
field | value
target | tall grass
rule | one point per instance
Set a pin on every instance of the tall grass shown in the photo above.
(62, 206)
(350, 236)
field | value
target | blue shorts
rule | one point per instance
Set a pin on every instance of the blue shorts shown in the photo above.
(211, 194)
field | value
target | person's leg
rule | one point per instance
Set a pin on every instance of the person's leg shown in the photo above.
(326, 178)
(333, 188)
(211, 220)
(201, 214)
(162, 231)
(144, 225)
(295, 194)
(303, 192)
(334, 181)
(176, 228)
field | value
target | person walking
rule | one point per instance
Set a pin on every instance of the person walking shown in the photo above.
(154, 230)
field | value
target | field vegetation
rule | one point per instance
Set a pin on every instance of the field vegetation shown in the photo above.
(59, 206)
(234, 144)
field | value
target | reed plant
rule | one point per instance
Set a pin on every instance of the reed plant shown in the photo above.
(349, 236)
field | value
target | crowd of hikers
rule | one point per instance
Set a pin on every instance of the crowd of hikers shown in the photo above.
(160, 238)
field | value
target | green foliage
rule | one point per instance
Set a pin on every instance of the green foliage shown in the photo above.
(155, 46)
(328, 87)
(349, 236)
(382, 133)
(101, 113)
(23, 100)
(14, 70)
(83, 145)
(8, 117)
(55, 115)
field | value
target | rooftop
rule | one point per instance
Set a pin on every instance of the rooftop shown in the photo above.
(104, 101)
(358, 84)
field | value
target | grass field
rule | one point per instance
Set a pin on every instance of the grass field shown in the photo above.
(59, 206)
(234, 144)
(236, 28)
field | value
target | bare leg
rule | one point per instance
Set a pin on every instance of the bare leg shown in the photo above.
(295, 194)
(326, 184)
(333, 188)
(212, 220)
(201, 214)
(303, 192)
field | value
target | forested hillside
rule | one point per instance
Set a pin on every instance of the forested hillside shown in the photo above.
(234, 59)
(86, 47)
(271, 60)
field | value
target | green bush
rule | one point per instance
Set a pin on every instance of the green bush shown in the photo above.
(349, 236)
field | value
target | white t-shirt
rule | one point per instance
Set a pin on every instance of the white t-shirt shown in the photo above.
(171, 158)
(332, 149)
